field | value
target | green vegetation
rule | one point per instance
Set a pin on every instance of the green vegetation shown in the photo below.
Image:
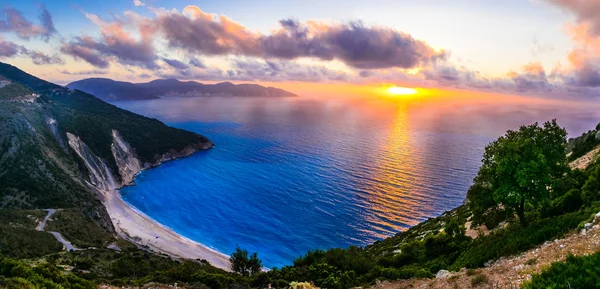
(133, 267)
(245, 264)
(12, 91)
(581, 145)
(27, 243)
(70, 224)
(16, 275)
(518, 168)
(575, 272)
(18, 237)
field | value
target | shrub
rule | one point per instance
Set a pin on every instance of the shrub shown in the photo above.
(515, 239)
(15, 274)
(569, 202)
(471, 272)
(531, 261)
(478, 279)
(575, 272)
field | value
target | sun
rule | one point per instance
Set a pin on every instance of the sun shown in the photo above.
(398, 90)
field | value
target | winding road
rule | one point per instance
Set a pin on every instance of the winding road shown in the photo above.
(56, 235)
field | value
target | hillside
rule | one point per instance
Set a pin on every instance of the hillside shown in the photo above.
(58, 146)
(109, 89)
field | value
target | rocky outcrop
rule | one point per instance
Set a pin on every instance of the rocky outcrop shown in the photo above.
(53, 126)
(99, 173)
(127, 162)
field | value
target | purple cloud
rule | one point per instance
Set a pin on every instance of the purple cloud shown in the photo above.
(197, 63)
(13, 21)
(116, 43)
(9, 49)
(40, 58)
(587, 75)
(175, 63)
(354, 44)
(82, 52)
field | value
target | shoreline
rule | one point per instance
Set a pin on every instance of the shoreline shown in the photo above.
(137, 227)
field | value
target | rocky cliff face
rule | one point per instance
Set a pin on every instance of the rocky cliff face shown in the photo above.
(126, 159)
(98, 172)
(127, 162)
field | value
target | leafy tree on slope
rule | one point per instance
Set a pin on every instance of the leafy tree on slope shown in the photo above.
(519, 169)
(245, 264)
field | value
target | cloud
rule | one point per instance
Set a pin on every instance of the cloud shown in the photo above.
(586, 11)
(40, 58)
(353, 43)
(84, 53)
(47, 23)
(115, 43)
(277, 70)
(175, 63)
(88, 72)
(197, 63)
(208, 34)
(587, 75)
(585, 55)
(138, 3)
(259, 70)
(9, 49)
(13, 21)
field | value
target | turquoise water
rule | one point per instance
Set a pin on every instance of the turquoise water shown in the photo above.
(291, 175)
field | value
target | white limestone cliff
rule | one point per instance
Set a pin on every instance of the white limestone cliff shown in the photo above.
(127, 162)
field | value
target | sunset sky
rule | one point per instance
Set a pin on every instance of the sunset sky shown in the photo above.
(547, 48)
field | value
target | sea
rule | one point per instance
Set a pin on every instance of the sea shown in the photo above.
(289, 175)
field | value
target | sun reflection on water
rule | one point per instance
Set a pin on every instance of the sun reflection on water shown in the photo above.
(391, 196)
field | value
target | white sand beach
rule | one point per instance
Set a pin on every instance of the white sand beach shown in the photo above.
(137, 227)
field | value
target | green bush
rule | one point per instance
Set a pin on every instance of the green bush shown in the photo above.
(515, 239)
(569, 202)
(15, 274)
(575, 272)
(478, 279)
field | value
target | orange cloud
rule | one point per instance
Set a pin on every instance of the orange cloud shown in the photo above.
(534, 68)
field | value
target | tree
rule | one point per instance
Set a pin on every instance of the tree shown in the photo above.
(520, 167)
(241, 263)
(254, 264)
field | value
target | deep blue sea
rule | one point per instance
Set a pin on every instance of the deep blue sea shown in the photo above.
(288, 175)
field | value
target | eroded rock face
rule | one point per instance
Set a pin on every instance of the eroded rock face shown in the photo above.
(53, 126)
(127, 162)
(99, 173)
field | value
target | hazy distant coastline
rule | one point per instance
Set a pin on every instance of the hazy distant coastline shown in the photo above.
(110, 90)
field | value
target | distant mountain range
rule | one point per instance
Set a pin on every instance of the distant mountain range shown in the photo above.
(108, 89)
